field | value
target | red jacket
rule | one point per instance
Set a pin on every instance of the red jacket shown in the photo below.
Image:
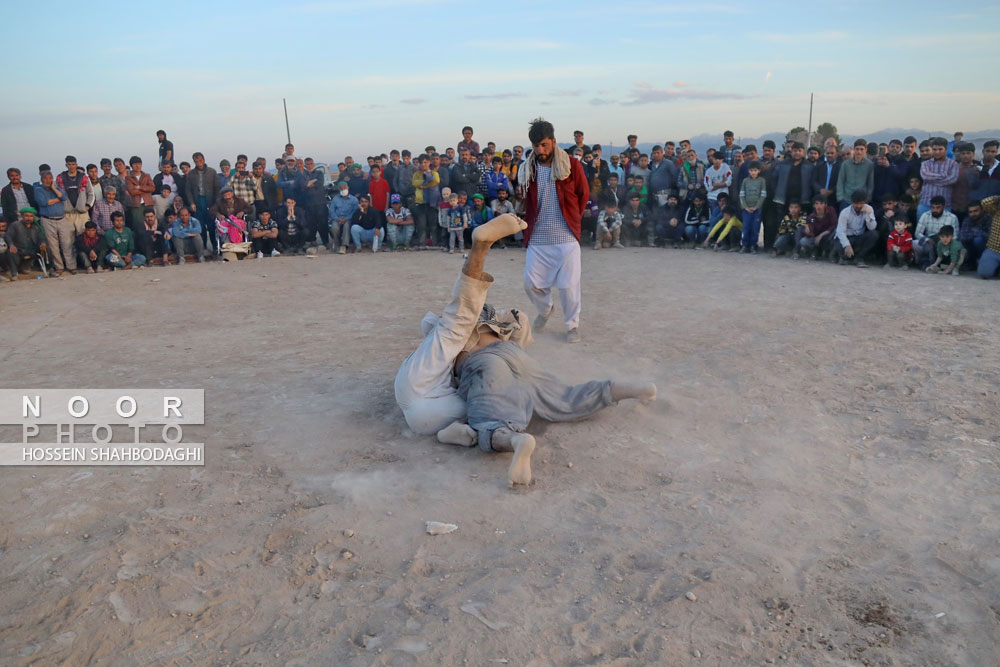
(904, 241)
(573, 193)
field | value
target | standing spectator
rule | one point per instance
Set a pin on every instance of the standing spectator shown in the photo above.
(952, 146)
(814, 236)
(291, 181)
(690, 177)
(771, 212)
(886, 180)
(662, 173)
(109, 179)
(856, 233)
(163, 201)
(855, 174)
(378, 191)
(968, 179)
(101, 212)
(244, 187)
(95, 185)
(168, 178)
(314, 202)
(929, 227)
(939, 175)
(496, 179)
(615, 167)
(718, 178)
(341, 210)
(989, 175)
(15, 196)
(389, 170)
(555, 194)
(26, 242)
(59, 232)
(265, 189)
(728, 148)
(202, 190)
(403, 183)
(166, 147)
(753, 193)
(264, 235)
(467, 144)
(442, 165)
(79, 195)
(795, 179)
(139, 186)
(427, 198)
(225, 170)
(577, 143)
(185, 234)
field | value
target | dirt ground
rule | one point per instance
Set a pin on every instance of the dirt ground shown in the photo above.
(820, 473)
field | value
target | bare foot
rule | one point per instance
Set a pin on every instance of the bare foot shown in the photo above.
(458, 434)
(644, 391)
(497, 228)
(520, 467)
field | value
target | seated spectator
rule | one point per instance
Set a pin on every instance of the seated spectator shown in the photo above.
(908, 209)
(975, 231)
(151, 241)
(342, 207)
(292, 226)
(8, 260)
(785, 241)
(479, 214)
(899, 246)
(26, 243)
(856, 233)
(668, 222)
(950, 253)
(727, 230)
(502, 204)
(399, 221)
(928, 227)
(232, 234)
(365, 227)
(119, 241)
(609, 226)
(633, 221)
(989, 261)
(696, 220)
(639, 186)
(90, 248)
(185, 234)
(229, 205)
(814, 236)
(718, 179)
(264, 235)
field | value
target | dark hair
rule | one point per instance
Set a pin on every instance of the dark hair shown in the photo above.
(596, 147)
(910, 140)
(722, 195)
(90, 225)
(729, 210)
(631, 137)
(754, 165)
(135, 158)
(14, 170)
(467, 127)
(750, 147)
(657, 147)
(947, 230)
(992, 143)
(769, 144)
(938, 199)
(918, 177)
(820, 198)
(975, 202)
(796, 202)
(859, 196)
(188, 163)
(905, 199)
(576, 132)
(117, 214)
(609, 202)
(727, 133)
(925, 142)
(539, 130)
(668, 143)
(613, 175)
(700, 193)
(797, 144)
(939, 141)
(406, 153)
(861, 142)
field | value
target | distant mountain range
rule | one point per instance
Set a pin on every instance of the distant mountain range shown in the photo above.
(702, 142)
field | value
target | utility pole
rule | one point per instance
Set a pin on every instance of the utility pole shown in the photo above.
(809, 133)
(288, 132)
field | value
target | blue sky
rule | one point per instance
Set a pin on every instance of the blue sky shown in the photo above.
(364, 77)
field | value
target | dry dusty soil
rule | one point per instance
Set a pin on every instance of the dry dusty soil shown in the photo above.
(820, 473)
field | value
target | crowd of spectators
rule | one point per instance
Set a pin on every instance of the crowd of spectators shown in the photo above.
(933, 204)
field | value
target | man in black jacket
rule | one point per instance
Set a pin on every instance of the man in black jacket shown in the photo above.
(265, 190)
(825, 174)
(15, 196)
(465, 175)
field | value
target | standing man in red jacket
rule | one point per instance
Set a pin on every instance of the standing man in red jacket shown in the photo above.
(555, 193)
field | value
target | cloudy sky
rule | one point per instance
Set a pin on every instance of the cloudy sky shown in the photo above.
(362, 77)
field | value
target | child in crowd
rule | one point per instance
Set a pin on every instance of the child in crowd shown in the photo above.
(696, 220)
(950, 253)
(480, 214)
(916, 184)
(899, 247)
(609, 227)
(456, 222)
(908, 209)
(722, 229)
(399, 223)
(785, 241)
(718, 179)
(161, 202)
(753, 192)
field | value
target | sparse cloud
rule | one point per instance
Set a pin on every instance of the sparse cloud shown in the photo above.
(680, 84)
(824, 36)
(645, 93)
(373, 106)
(494, 96)
(597, 101)
(567, 93)
(413, 100)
